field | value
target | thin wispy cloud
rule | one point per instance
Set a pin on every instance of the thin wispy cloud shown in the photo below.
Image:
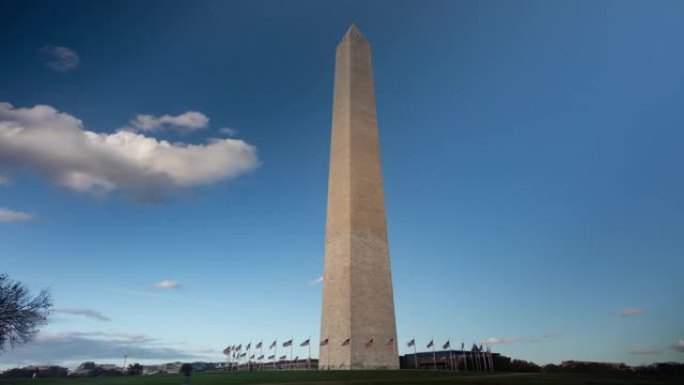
(631, 311)
(7, 215)
(502, 340)
(4, 181)
(88, 313)
(79, 346)
(189, 121)
(316, 281)
(60, 58)
(227, 131)
(56, 145)
(166, 284)
(645, 352)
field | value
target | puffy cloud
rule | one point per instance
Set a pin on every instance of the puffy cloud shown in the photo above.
(78, 346)
(94, 314)
(502, 340)
(56, 145)
(227, 131)
(679, 346)
(166, 284)
(631, 311)
(316, 281)
(7, 215)
(61, 59)
(191, 120)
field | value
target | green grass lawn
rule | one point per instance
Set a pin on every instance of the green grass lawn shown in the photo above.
(358, 377)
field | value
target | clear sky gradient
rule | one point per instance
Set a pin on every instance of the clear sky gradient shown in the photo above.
(532, 158)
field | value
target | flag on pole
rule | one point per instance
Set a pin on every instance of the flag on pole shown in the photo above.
(287, 343)
(261, 357)
(305, 343)
(252, 357)
(238, 348)
(296, 359)
(346, 342)
(369, 344)
(248, 346)
(282, 357)
(324, 342)
(258, 346)
(390, 342)
(273, 345)
(271, 357)
(431, 344)
(411, 343)
(243, 354)
(226, 351)
(462, 345)
(447, 345)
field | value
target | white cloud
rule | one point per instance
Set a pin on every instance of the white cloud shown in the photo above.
(4, 181)
(631, 311)
(94, 314)
(61, 59)
(166, 284)
(643, 352)
(7, 215)
(191, 120)
(227, 131)
(679, 346)
(502, 340)
(316, 281)
(56, 145)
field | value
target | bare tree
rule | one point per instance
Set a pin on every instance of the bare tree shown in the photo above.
(20, 315)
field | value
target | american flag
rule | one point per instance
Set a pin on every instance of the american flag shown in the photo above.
(305, 343)
(411, 343)
(324, 342)
(431, 344)
(282, 357)
(272, 357)
(346, 342)
(273, 345)
(226, 351)
(287, 343)
(369, 344)
(447, 345)
(258, 346)
(390, 342)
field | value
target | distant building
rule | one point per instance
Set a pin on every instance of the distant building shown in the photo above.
(453, 360)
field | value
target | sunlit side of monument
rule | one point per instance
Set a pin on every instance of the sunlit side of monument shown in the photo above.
(358, 328)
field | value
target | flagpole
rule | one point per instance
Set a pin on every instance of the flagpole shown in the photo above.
(451, 360)
(415, 352)
(276, 354)
(262, 354)
(308, 365)
(327, 346)
(291, 350)
(434, 356)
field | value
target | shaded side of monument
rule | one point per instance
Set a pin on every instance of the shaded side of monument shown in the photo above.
(358, 328)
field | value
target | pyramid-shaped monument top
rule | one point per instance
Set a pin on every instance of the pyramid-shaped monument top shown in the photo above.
(353, 33)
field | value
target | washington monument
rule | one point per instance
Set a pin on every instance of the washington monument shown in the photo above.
(358, 330)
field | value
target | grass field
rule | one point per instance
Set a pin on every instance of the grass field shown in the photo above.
(358, 378)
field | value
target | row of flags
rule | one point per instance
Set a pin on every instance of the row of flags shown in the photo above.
(447, 345)
(233, 349)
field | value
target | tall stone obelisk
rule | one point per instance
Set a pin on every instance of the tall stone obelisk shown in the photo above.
(358, 307)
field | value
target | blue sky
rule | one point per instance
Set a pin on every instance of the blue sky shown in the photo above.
(532, 159)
